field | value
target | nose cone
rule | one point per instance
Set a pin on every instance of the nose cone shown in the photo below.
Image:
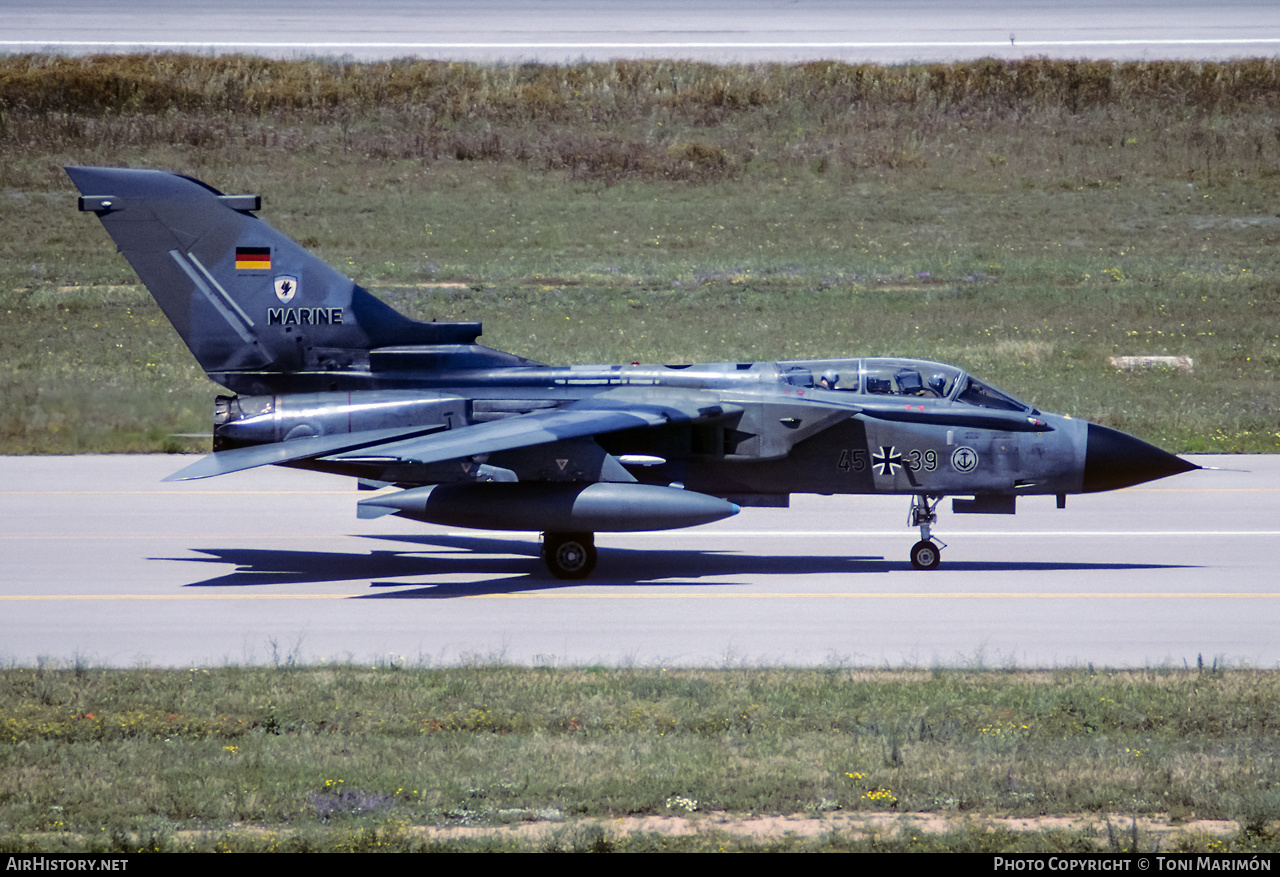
(1114, 459)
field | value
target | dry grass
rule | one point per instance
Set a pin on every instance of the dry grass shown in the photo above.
(1027, 220)
(94, 759)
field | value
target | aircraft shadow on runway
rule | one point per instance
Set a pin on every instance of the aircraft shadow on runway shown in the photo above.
(491, 557)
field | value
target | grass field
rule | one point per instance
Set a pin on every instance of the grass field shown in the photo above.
(400, 758)
(1025, 220)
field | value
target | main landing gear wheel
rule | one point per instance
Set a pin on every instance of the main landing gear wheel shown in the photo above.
(569, 555)
(925, 555)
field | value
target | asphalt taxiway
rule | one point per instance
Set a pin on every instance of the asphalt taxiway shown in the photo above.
(101, 562)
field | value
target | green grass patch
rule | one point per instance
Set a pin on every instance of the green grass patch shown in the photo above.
(346, 757)
(1025, 220)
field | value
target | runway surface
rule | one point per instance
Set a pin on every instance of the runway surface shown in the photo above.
(101, 562)
(559, 31)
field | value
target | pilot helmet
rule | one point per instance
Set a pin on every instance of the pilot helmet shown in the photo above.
(938, 383)
(830, 378)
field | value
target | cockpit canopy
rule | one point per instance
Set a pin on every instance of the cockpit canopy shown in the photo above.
(883, 376)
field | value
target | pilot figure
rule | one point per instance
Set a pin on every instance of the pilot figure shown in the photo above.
(828, 380)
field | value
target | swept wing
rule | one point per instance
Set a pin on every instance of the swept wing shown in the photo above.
(591, 417)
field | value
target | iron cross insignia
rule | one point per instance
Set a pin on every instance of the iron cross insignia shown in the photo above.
(887, 460)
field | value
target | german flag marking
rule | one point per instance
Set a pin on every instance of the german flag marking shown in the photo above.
(253, 258)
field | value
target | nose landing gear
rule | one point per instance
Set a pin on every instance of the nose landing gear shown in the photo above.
(927, 553)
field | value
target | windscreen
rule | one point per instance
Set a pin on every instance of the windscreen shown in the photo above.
(975, 392)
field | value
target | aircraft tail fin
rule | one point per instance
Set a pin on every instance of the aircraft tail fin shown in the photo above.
(252, 305)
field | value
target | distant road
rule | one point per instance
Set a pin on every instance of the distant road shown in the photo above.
(558, 31)
(101, 561)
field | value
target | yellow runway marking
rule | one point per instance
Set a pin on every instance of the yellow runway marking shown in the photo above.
(20, 598)
(84, 537)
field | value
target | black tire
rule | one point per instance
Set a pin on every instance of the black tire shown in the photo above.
(925, 555)
(569, 555)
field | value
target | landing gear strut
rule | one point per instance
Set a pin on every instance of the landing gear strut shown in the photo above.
(927, 553)
(569, 555)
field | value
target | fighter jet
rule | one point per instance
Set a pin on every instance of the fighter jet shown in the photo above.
(324, 376)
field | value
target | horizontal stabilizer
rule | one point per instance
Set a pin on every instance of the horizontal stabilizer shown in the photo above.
(238, 459)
